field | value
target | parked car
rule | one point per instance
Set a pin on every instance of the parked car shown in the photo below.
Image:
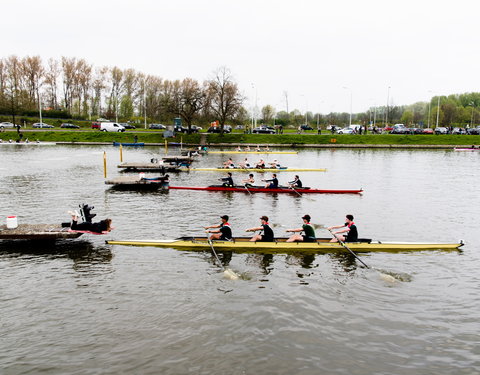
(216, 129)
(157, 126)
(126, 125)
(441, 130)
(263, 130)
(184, 129)
(4, 125)
(459, 131)
(416, 131)
(388, 129)
(239, 127)
(427, 131)
(69, 126)
(305, 127)
(473, 131)
(42, 125)
(95, 125)
(400, 129)
(346, 130)
(111, 127)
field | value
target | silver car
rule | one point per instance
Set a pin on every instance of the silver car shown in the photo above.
(4, 125)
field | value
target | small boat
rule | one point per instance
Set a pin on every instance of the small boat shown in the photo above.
(253, 152)
(149, 167)
(143, 183)
(37, 232)
(238, 169)
(133, 144)
(467, 148)
(262, 189)
(243, 244)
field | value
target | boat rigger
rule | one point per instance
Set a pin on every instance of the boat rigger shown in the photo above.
(281, 169)
(243, 244)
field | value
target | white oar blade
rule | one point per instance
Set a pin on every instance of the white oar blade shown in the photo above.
(229, 274)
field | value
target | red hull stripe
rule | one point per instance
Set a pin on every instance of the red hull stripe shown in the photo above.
(265, 190)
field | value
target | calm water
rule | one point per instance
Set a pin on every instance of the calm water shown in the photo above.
(84, 307)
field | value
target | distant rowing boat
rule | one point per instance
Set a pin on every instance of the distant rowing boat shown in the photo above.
(261, 189)
(135, 144)
(242, 244)
(466, 149)
(253, 152)
(281, 169)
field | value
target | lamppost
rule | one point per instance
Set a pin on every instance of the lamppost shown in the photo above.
(145, 102)
(429, 107)
(254, 107)
(438, 111)
(386, 112)
(473, 107)
(351, 95)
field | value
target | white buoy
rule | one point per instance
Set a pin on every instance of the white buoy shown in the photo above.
(12, 222)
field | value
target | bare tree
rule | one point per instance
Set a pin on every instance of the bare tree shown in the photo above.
(13, 84)
(224, 96)
(51, 81)
(188, 99)
(33, 72)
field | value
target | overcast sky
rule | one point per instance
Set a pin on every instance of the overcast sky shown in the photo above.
(309, 49)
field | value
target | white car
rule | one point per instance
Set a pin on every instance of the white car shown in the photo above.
(4, 125)
(345, 131)
(42, 125)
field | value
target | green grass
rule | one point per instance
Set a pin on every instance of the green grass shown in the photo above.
(290, 139)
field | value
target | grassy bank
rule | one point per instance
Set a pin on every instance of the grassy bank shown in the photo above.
(211, 139)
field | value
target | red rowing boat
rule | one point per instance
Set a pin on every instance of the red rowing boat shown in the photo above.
(261, 189)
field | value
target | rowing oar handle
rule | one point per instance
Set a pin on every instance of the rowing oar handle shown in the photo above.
(346, 247)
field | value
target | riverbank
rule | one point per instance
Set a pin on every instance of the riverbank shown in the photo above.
(232, 140)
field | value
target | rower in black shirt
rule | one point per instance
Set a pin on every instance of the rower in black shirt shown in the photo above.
(296, 183)
(223, 233)
(267, 235)
(350, 230)
(228, 181)
(272, 183)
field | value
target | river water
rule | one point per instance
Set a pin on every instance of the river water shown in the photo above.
(83, 307)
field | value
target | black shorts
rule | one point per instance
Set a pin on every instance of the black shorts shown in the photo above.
(263, 239)
(224, 238)
(308, 239)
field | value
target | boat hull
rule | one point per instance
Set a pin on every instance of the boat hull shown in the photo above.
(243, 244)
(242, 189)
(246, 170)
(253, 152)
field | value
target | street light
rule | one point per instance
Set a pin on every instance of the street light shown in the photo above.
(429, 106)
(438, 111)
(471, 121)
(350, 122)
(386, 113)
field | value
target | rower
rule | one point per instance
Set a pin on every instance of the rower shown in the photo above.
(249, 181)
(307, 228)
(223, 233)
(227, 181)
(267, 235)
(266, 148)
(272, 183)
(239, 149)
(296, 183)
(350, 230)
(275, 164)
(245, 164)
(260, 164)
(258, 148)
(229, 163)
(247, 148)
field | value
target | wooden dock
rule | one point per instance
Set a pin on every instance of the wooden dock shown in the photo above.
(148, 167)
(35, 232)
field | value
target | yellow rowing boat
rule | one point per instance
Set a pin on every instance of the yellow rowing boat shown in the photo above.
(243, 244)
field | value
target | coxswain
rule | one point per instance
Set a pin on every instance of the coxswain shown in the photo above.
(275, 164)
(229, 163)
(249, 181)
(267, 235)
(296, 183)
(245, 164)
(272, 183)
(98, 227)
(224, 231)
(349, 228)
(307, 229)
(227, 181)
(260, 164)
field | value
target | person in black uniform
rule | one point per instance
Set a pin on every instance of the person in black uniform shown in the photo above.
(98, 227)
(296, 183)
(349, 228)
(228, 181)
(267, 235)
(272, 183)
(224, 231)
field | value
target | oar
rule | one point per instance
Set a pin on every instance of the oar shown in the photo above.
(293, 188)
(249, 192)
(384, 276)
(226, 271)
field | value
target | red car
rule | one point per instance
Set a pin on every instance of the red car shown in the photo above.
(427, 131)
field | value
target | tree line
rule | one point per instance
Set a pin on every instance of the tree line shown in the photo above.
(73, 88)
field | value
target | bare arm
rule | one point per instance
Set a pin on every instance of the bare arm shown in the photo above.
(253, 229)
(294, 230)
